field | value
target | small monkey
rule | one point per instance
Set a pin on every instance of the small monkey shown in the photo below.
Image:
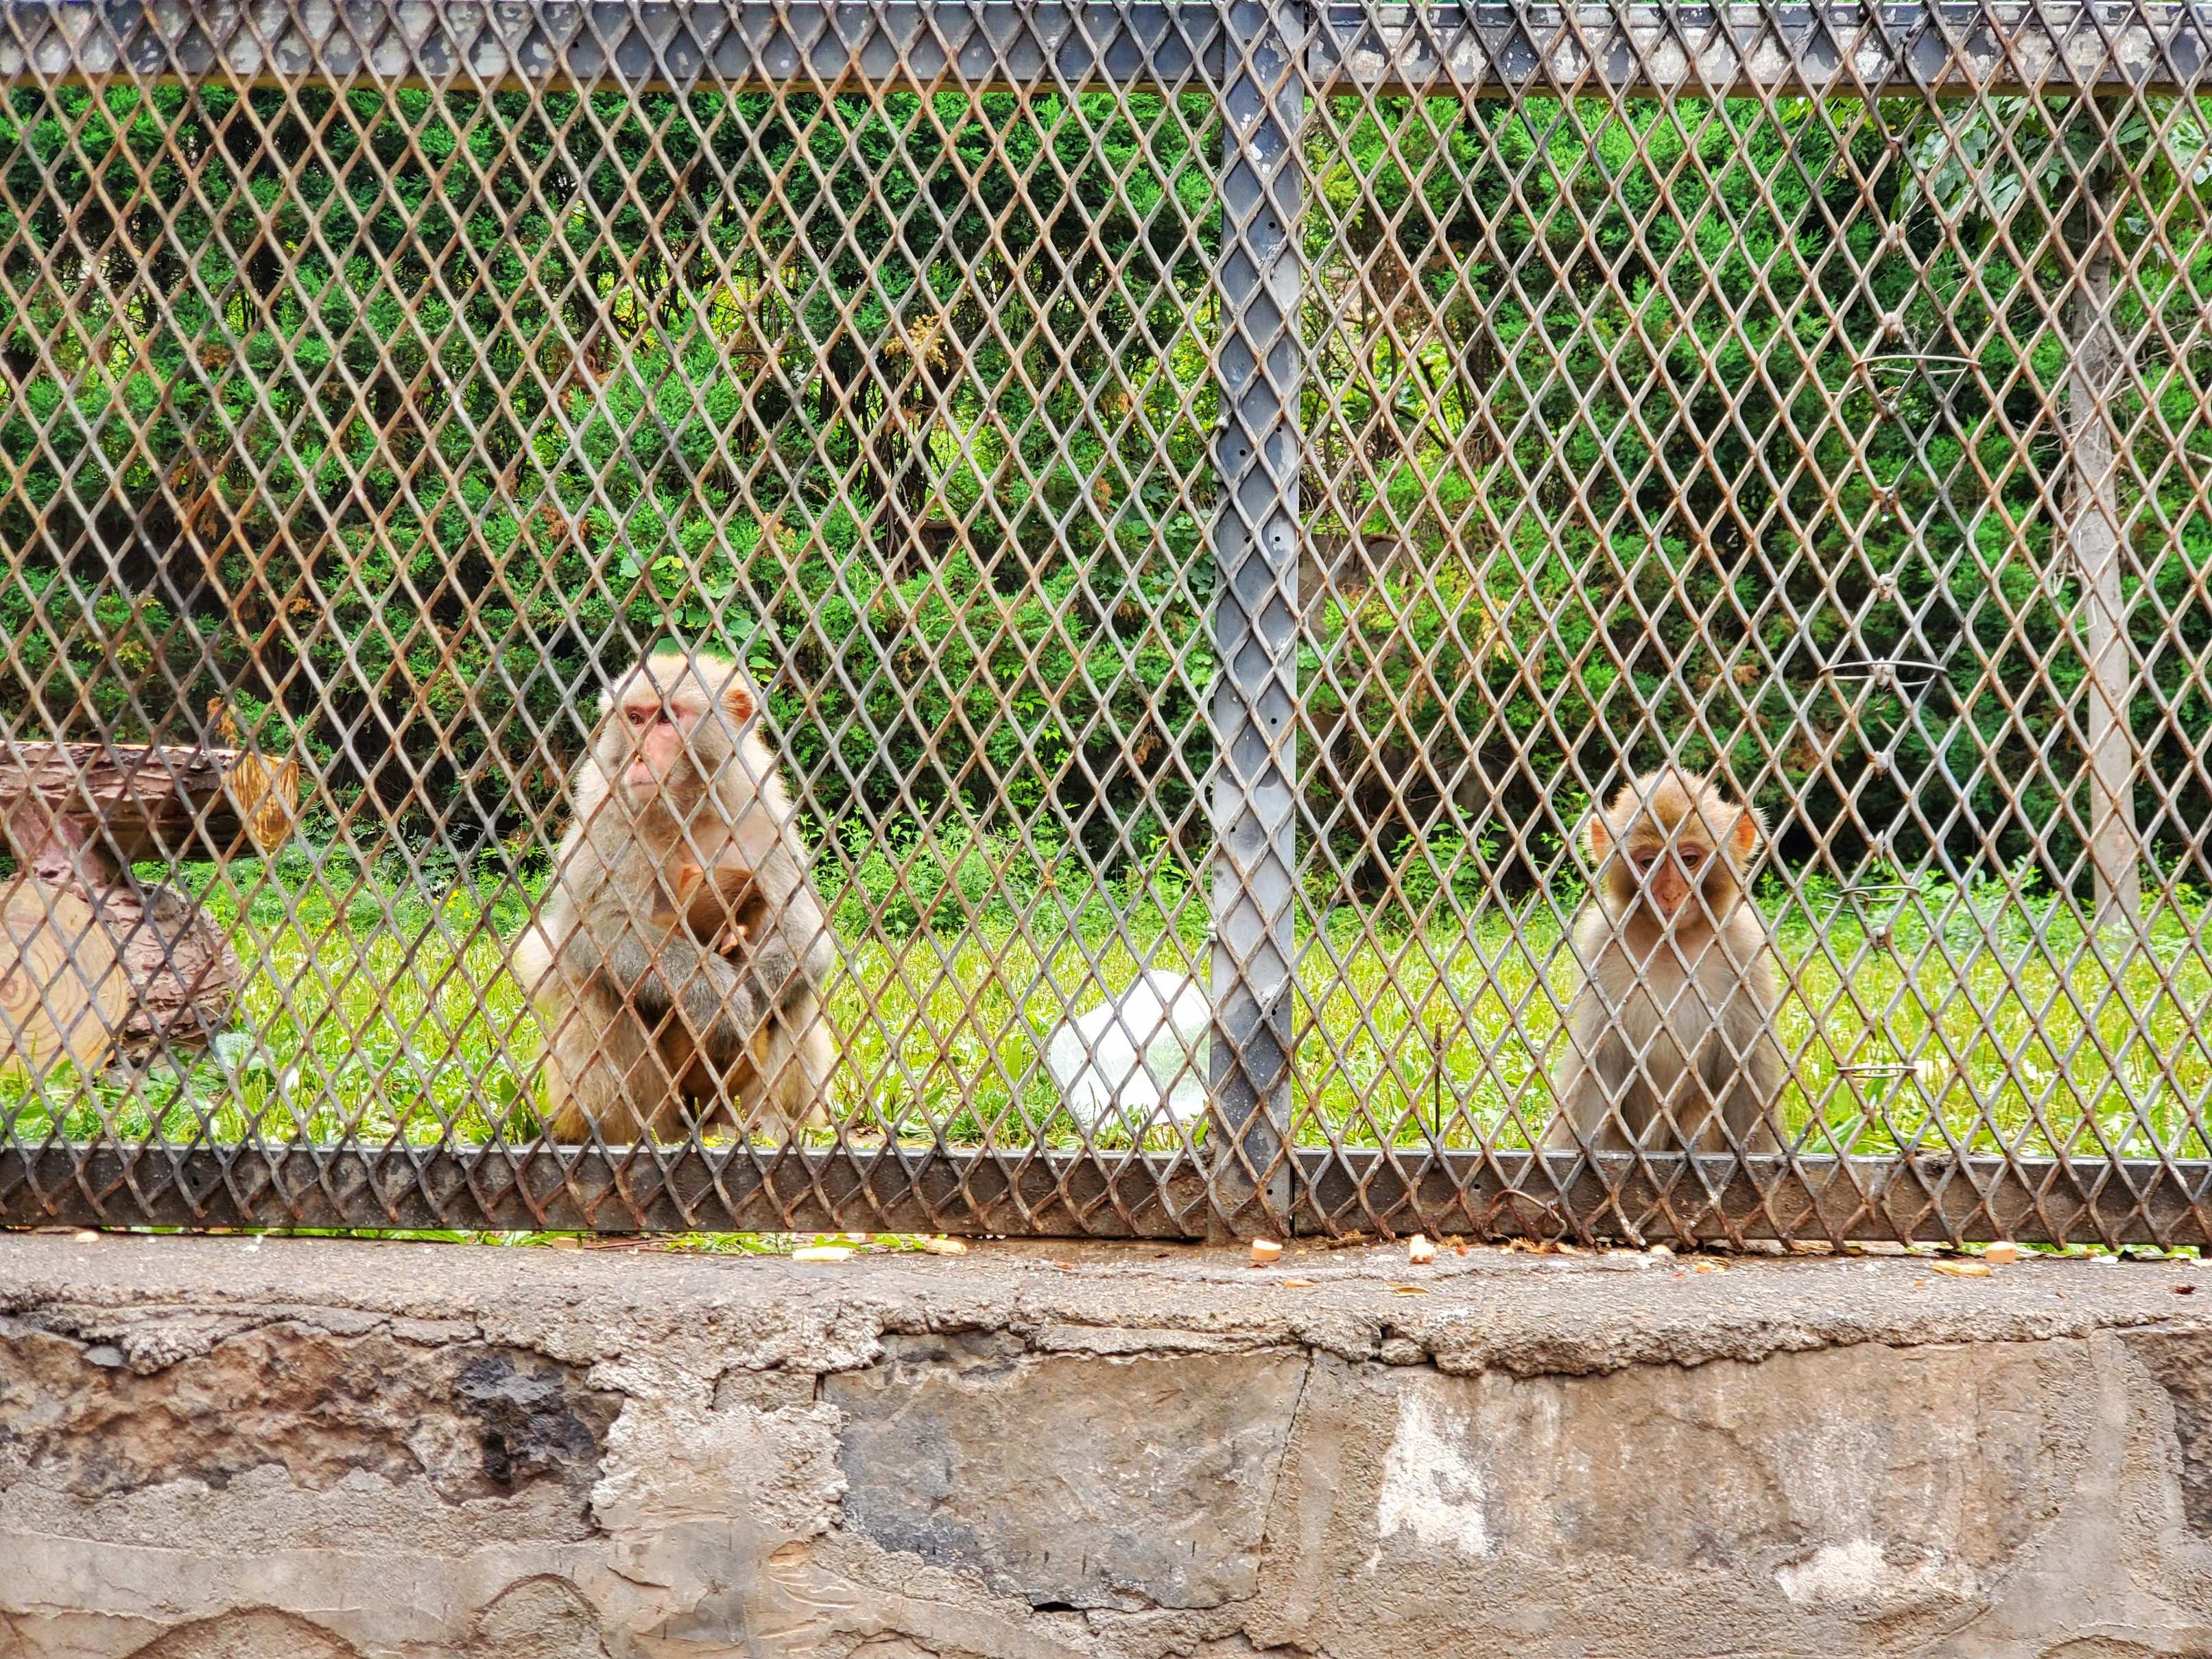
(719, 906)
(651, 1026)
(1670, 1040)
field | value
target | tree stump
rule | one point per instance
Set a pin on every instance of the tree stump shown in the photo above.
(63, 993)
(77, 817)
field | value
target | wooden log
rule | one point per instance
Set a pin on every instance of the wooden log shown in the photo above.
(64, 994)
(77, 815)
(184, 975)
(134, 803)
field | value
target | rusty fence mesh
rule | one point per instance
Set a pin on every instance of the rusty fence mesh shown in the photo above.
(1205, 503)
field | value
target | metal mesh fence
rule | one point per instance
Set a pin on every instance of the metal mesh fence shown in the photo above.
(1205, 506)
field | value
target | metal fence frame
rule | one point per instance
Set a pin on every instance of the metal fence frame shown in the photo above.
(1261, 60)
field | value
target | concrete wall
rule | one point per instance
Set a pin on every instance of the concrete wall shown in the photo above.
(220, 1449)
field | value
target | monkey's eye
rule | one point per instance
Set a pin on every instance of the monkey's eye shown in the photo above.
(640, 718)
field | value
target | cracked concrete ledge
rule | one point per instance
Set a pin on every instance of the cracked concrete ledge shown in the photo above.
(230, 1448)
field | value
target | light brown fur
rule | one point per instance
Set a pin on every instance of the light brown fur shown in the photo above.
(719, 905)
(655, 1022)
(1670, 1042)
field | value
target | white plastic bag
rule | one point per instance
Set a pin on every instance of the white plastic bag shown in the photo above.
(1133, 1055)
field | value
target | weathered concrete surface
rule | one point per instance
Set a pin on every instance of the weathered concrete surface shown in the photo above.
(219, 1448)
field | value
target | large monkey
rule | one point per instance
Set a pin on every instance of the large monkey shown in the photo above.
(1671, 1039)
(650, 1027)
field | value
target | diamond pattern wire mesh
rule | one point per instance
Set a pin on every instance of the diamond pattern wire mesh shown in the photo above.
(1214, 493)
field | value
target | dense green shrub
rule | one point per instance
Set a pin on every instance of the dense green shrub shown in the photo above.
(394, 422)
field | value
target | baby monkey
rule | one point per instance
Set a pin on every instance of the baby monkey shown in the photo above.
(718, 905)
(1670, 1040)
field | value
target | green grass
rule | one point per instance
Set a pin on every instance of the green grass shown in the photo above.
(376, 1013)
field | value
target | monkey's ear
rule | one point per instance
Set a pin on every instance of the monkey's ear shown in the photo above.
(1744, 833)
(1600, 838)
(738, 701)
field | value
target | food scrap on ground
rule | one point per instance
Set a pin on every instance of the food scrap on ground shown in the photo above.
(1962, 1269)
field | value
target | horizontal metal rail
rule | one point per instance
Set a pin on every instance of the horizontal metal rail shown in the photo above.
(603, 1189)
(1662, 1197)
(1472, 51)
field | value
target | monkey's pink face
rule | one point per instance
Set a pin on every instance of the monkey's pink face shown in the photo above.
(657, 730)
(1671, 876)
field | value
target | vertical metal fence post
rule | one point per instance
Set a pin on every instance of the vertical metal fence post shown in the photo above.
(1255, 544)
(2096, 377)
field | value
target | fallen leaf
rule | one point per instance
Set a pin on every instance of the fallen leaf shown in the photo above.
(821, 1253)
(1410, 1290)
(1297, 1283)
(2185, 1290)
(1961, 1269)
(944, 1247)
(565, 1241)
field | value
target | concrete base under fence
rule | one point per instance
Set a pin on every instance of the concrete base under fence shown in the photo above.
(220, 1449)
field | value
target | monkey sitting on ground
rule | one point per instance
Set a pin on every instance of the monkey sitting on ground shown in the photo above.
(651, 1029)
(1670, 1040)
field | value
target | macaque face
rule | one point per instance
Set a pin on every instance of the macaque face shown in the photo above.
(1679, 852)
(663, 735)
(1670, 874)
(653, 727)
